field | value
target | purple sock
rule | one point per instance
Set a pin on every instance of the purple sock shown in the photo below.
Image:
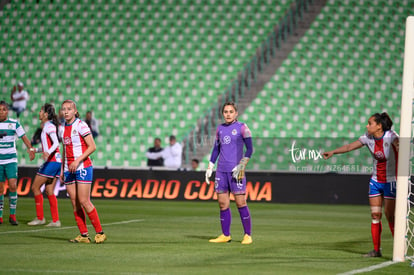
(225, 219)
(246, 220)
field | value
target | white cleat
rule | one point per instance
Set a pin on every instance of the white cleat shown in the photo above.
(36, 221)
(54, 224)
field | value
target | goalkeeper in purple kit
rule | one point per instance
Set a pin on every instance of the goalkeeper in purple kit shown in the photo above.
(231, 137)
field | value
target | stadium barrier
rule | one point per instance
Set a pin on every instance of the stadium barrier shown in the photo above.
(328, 188)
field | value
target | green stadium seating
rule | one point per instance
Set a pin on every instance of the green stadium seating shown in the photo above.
(150, 70)
(343, 70)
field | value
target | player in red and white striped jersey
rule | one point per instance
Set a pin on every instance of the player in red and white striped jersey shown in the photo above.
(50, 169)
(77, 171)
(383, 143)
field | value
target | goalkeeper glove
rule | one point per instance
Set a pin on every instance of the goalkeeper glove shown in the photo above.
(238, 171)
(209, 171)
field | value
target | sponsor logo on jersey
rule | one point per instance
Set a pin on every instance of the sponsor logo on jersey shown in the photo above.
(226, 140)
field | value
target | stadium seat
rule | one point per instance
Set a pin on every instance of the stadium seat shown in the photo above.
(339, 104)
(119, 65)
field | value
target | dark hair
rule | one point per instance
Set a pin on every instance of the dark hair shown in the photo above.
(51, 113)
(196, 161)
(2, 102)
(74, 104)
(383, 119)
(229, 103)
(49, 109)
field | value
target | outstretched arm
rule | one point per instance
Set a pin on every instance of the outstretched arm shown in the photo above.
(343, 149)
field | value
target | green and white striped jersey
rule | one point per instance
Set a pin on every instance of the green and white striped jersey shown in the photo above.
(9, 129)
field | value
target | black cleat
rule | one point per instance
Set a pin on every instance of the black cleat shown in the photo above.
(373, 254)
(13, 221)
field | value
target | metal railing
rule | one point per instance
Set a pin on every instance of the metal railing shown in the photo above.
(207, 124)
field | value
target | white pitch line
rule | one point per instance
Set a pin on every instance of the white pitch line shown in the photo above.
(53, 271)
(369, 268)
(37, 271)
(66, 227)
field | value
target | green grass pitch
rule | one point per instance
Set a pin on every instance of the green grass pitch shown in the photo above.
(171, 237)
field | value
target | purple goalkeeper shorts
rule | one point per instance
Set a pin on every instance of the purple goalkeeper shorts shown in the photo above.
(224, 182)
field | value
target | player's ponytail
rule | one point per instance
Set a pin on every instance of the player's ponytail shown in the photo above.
(49, 109)
(383, 119)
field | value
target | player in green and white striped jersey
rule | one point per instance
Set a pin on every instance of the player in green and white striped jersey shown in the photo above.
(9, 128)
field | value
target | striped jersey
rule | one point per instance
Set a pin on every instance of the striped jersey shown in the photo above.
(50, 142)
(74, 140)
(385, 156)
(8, 131)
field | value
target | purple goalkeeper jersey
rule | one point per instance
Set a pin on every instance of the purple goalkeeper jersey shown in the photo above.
(230, 141)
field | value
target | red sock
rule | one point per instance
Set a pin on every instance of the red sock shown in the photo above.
(39, 206)
(53, 207)
(81, 221)
(376, 229)
(94, 218)
(391, 225)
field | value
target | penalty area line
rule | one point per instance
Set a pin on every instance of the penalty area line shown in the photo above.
(37, 271)
(66, 227)
(369, 268)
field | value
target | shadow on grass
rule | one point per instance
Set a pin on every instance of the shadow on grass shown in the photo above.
(50, 238)
(354, 247)
(199, 237)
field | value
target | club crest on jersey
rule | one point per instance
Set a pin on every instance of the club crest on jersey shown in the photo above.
(67, 141)
(379, 155)
(234, 132)
(10, 126)
(74, 132)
